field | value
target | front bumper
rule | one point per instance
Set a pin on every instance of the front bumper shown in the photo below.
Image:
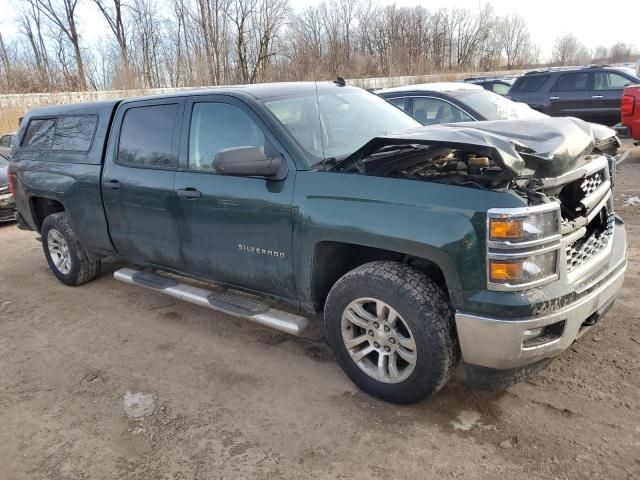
(7, 208)
(499, 343)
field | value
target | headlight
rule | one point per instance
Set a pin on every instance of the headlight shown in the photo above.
(523, 227)
(523, 246)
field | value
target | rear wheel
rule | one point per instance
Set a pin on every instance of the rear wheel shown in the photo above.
(391, 330)
(67, 259)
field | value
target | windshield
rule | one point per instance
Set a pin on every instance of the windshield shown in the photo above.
(334, 125)
(496, 107)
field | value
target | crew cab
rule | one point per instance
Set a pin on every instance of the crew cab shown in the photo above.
(494, 244)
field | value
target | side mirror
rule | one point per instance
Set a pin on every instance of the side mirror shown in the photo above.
(249, 162)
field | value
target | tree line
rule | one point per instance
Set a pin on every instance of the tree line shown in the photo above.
(178, 43)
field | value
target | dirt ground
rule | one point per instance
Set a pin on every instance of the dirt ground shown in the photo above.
(112, 381)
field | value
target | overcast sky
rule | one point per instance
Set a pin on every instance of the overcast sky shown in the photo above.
(593, 22)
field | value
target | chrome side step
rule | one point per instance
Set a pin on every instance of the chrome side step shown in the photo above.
(222, 302)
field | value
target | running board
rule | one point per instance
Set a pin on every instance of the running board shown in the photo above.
(222, 302)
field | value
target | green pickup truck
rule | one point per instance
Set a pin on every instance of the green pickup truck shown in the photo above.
(489, 245)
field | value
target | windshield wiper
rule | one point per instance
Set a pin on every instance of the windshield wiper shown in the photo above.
(331, 163)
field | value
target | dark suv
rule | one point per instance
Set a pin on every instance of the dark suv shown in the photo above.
(590, 93)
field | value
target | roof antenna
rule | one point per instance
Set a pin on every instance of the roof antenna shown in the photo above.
(340, 82)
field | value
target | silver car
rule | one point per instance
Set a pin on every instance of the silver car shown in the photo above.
(6, 142)
(7, 203)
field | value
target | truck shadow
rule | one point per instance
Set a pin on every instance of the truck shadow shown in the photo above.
(454, 408)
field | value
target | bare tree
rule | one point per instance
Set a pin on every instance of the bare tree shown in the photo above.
(62, 14)
(30, 24)
(515, 39)
(620, 52)
(115, 17)
(156, 43)
(567, 49)
(6, 62)
(147, 36)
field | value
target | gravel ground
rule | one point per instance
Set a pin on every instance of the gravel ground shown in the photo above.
(112, 381)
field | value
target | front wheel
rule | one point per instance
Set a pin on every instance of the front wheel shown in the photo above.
(67, 259)
(391, 329)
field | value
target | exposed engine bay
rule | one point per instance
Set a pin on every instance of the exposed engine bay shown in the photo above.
(526, 156)
(439, 164)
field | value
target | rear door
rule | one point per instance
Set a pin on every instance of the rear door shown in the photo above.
(570, 96)
(234, 230)
(137, 182)
(607, 95)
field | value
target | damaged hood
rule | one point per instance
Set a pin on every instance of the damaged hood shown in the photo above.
(545, 147)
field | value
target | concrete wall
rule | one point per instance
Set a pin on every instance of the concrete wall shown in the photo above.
(14, 106)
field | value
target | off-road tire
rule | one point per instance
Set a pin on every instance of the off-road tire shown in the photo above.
(83, 269)
(421, 304)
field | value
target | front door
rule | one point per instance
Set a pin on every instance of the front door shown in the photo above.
(137, 182)
(607, 93)
(570, 96)
(234, 230)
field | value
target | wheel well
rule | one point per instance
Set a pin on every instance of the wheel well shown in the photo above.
(333, 259)
(43, 207)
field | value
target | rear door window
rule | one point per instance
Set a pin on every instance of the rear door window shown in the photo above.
(572, 82)
(399, 102)
(431, 111)
(610, 81)
(529, 83)
(72, 133)
(147, 136)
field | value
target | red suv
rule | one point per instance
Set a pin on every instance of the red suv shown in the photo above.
(630, 110)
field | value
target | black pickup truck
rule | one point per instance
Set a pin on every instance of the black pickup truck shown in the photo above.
(493, 244)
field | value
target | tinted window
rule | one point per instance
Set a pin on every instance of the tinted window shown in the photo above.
(529, 83)
(217, 126)
(146, 136)
(572, 82)
(399, 102)
(610, 81)
(430, 111)
(40, 133)
(74, 133)
(5, 141)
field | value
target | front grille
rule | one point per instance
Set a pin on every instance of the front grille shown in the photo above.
(584, 249)
(591, 182)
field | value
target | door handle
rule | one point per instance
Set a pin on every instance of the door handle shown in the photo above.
(597, 96)
(554, 98)
(189, 193)
(114, 184)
